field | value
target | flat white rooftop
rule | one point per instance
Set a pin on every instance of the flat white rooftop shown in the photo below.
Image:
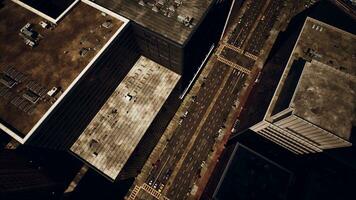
(115, 131)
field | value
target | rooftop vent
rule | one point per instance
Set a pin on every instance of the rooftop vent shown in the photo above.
(185, 20)
(30, 36)
(161, 2)
(83, 51)
(167, 8)
(94, 146)
(53, 92)
(7, 81)
(141, 3)
(107, 24)
(128, 97)
(31, 96)
(178, 2)
(155, 9)
(44, 24)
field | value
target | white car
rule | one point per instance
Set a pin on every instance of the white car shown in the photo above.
(150, 182)
(155, 185)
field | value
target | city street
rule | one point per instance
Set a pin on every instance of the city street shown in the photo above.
(207, 135)
(178, 168)
(189, 122)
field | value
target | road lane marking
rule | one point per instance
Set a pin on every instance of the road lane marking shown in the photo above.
(160, 171)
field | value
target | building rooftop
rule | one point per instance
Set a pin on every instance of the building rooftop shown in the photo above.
(327, 44)
(33, 80)
(324, 91)
(168, 26)
(326, 98)
(113, 134)
(52, 10)
(250, 175)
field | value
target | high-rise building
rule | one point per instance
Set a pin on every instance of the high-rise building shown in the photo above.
(246, 172)
(113, 135)
(42, 62)
(253, 167)
(50, 93)
(313, 105)
(177, 34)
(21, 178)
(80, 58)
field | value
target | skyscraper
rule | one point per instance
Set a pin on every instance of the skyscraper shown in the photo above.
(313, 106)
(20, 178)
(177, 34)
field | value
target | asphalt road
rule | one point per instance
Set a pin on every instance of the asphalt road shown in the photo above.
(189, 171)
(245, 25)
(173, 152)
(265, 25)
(186, 177)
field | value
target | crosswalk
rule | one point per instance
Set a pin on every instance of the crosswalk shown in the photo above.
(224, 60)
(151, 191)
(134, 192)
(250, 55)
(234, 65)
(232, 47)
